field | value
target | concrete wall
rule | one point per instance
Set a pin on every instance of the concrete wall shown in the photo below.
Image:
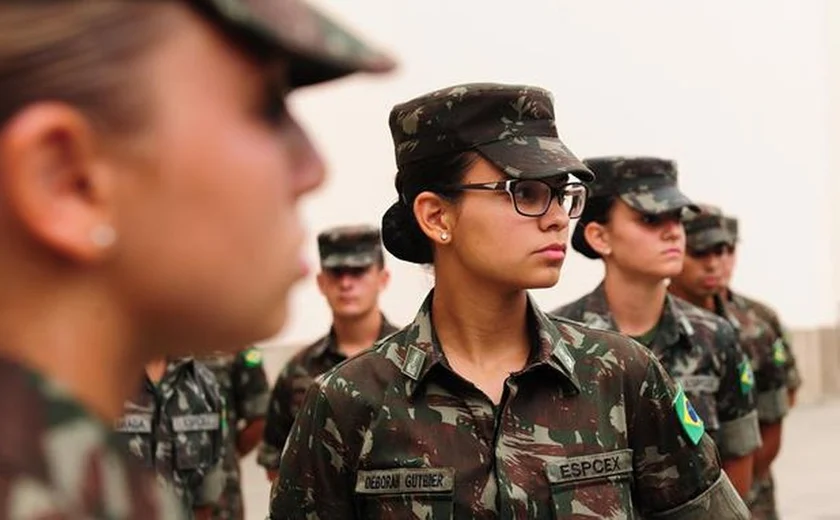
(744, 95)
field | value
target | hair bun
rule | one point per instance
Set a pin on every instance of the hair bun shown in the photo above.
(402, 236)
(580, 244)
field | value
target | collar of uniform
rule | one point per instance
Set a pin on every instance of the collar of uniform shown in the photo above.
(174, 367)
(672, 324)
(422, 349)
(329, 343)
(722, 309)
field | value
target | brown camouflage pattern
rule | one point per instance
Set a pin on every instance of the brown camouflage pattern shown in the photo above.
(759, 342)
(318, 48)
(244, 386)
(698, 350)
(512, 126)
(349, 246)
(586, 430)
(177, 428)
(290, 389)
(59, 462)
(705, 229)
(646, 184)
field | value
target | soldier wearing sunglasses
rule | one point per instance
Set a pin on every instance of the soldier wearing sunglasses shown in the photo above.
(633, 223)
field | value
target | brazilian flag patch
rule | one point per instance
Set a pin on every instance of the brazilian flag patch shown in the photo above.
(691, 422)
(779, 354)
(253, 357)
(746, 376)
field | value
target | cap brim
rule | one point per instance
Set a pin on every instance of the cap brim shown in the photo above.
(319, 48)
(534, 157)
(356, 260)
(658, 200)
(706, 239)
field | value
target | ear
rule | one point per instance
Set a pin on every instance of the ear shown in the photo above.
(432, 213)
(384, 277)
(55, 183)
(321, 279)
(598, 237)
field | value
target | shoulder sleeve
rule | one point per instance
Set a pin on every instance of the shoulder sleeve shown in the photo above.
(250, 385)
(317, 466)
(278, 422)
(677, 470)
(739, 434)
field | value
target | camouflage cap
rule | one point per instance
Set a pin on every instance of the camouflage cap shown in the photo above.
(705, 229)
(318, 48)
(731, 224)
(646, 184)
(512, 126)
(349, 246)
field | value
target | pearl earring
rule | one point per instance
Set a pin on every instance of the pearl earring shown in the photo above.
(444, 236)
(103, 236)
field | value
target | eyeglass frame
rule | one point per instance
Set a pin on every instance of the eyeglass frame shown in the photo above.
(508, 184)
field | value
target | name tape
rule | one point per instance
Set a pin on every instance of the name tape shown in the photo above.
(590, 467)
(400, 481)
(196, 423)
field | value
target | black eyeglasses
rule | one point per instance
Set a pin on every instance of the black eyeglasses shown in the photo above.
(532, 197)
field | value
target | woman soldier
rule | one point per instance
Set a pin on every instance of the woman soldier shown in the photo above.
(149, 181)
(633, 222)
(485, 407)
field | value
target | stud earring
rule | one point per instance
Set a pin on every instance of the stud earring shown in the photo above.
(103, 236)
(444, 236)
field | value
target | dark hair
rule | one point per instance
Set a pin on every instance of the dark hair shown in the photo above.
(597, 210)
(401, 234)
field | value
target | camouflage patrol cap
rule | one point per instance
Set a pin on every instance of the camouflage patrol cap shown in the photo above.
(318, 48)
(511, 126)
(705, 229)
(646, 184)
(731, 224)
(349, 246)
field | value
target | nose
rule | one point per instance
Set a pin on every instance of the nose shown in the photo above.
(556, 216)
(308, 168)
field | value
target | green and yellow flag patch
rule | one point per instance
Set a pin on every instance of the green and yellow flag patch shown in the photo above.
(253, 357)
(691, 422)
(746, 376)
(779, 354)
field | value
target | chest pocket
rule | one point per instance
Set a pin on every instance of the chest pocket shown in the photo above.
(135, 431)
(196, 440)
(593, 486)
(702, 391)
(405, 493)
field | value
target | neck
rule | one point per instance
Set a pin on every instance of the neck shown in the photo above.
(155, 370)
(702, 301)
(75, 338)
(635, 305)
(357, 333)
(478, 324)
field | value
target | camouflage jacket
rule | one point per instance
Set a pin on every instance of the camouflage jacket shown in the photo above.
(59, 462)
(700, 351)
(793, 379)
(767, 354)
(290, 388)
(245, 388)
(177, 428)
(589, 428)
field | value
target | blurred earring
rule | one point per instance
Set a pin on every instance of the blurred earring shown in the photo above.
(103, 236)
(444, 236)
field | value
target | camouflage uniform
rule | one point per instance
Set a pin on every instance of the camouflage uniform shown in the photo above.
(58, 461)
(176, 427)
(588, 428)
(762, 498)
(591, 427)
(700, 352)
(245, 389)
(344, 246)
(698, 349)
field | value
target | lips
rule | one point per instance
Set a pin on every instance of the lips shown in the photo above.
(553, 247)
